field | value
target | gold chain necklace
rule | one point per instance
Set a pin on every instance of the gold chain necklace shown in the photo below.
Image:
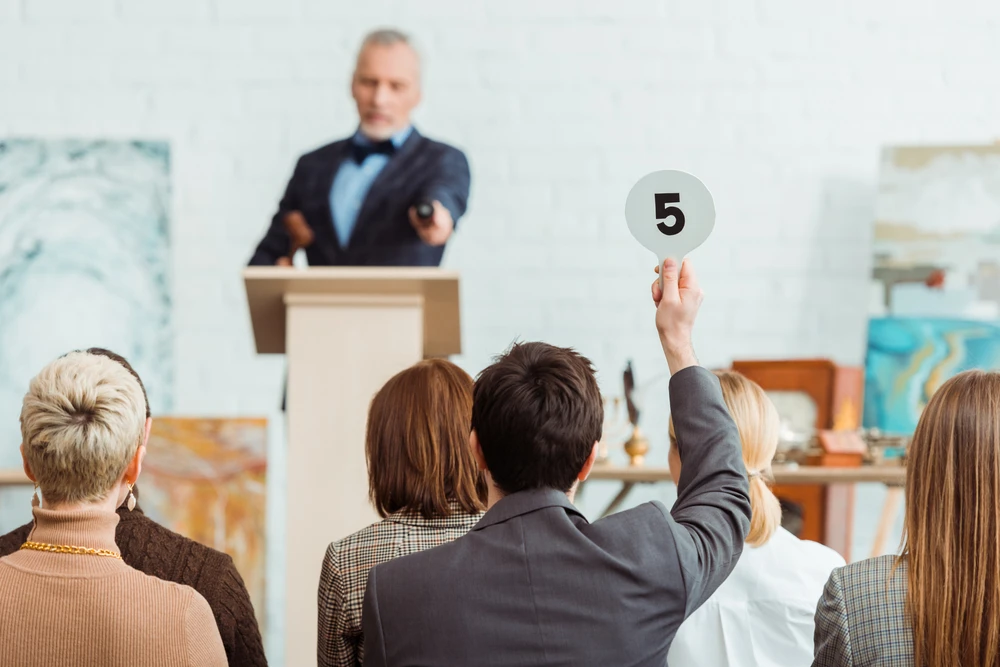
(66, 549)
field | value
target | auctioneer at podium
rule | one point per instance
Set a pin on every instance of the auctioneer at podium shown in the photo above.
(386, 196)
(362, 209)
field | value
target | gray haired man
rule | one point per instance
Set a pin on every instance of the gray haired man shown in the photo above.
(385, 196)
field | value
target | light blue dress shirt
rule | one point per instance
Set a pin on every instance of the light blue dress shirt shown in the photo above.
(352, 182)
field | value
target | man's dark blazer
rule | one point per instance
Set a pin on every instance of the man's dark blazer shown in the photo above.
(382, 235)
(533, 583)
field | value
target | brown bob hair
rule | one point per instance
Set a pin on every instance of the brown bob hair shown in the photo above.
(417, 443)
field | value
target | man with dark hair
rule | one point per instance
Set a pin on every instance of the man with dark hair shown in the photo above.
(153, 549)
(534, 583)
(536, 414)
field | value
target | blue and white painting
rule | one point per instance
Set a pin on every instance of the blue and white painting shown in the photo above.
(935, 308)
(84, 261)
(910, 357)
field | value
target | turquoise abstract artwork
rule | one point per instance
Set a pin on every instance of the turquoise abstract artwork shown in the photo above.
(84, 262)
(909, 358)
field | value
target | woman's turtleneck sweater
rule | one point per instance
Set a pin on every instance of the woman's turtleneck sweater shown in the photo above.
(58, 608)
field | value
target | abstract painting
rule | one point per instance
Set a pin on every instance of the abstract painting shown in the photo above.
(935, 303)
(206, 479)
(84, 261)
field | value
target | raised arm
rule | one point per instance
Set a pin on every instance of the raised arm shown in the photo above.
(713, 503)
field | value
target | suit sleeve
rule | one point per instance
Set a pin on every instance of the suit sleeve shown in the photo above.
(832, 638)
(713, 504)
(276, 242)
(371, 624)
(450, 183)
(337, 635)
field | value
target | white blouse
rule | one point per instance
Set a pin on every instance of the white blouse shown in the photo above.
(762, 615)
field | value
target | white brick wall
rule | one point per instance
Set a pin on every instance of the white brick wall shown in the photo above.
(779, 105)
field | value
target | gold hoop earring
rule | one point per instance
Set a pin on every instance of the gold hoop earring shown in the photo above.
(35, 500)
(130, 503)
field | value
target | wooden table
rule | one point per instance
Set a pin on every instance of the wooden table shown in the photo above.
(893, 477)
(783, 474)
(13, 477)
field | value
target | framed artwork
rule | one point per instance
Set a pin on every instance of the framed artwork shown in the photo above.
(84, 262)
(935, 285)
(206, 479)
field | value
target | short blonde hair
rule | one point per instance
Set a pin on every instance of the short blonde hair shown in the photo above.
(758, 423)
(82, 421)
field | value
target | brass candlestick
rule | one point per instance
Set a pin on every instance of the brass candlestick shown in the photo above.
(636, 447)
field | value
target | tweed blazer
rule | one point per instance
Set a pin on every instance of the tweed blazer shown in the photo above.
(861, 619)
(345, 574)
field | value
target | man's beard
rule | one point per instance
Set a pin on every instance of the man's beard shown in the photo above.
(380, 133)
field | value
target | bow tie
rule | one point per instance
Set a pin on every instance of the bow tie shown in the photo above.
(361, 151)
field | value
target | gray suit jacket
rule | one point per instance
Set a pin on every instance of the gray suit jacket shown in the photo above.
(534, 583)
(861, 619)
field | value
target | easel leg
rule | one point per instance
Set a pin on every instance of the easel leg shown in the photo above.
(890, 510)
(619, 499)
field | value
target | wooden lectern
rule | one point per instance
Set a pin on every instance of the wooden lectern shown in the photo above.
(345, 331)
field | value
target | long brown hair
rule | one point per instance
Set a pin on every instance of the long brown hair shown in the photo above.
(951, 544)
(417, 442)
(758, 422)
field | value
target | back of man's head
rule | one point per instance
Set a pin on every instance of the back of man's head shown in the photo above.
(537, 413)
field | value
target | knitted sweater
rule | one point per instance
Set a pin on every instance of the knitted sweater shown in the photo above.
(59, 608)
(149, 547)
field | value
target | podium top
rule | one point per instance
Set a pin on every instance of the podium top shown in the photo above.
(269, 288)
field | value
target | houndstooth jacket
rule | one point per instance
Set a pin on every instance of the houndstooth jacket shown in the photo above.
(345, 573)
(861, 619)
